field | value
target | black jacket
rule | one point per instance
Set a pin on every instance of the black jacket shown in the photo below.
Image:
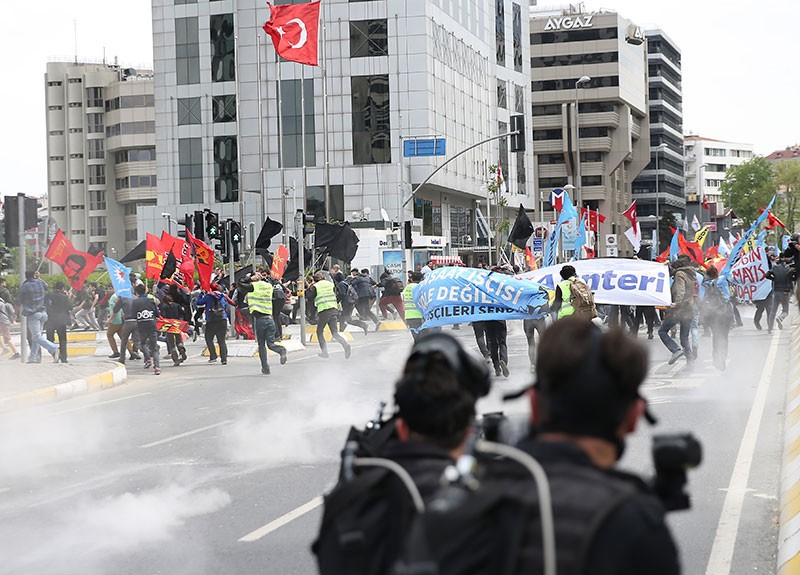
(58, 308)
(782, 277)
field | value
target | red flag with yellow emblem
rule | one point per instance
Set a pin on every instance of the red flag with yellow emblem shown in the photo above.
(279, 261)
(154, 257)
(204, 260)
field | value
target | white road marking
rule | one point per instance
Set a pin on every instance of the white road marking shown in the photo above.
(719, 562)
(187, 434)
(127, 397)
(282, 520)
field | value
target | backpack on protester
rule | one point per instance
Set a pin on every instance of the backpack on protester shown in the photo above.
(216, 312)
(346, 293)
(582, 299)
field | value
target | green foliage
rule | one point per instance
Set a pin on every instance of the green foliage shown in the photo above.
(501, 224)
(787, 179)
(748, 188)
(12, 280)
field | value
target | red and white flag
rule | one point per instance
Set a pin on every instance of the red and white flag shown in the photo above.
(630, 213)
(501, 181)
(294, 29)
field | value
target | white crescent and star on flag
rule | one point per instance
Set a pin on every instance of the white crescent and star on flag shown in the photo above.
(303, 33)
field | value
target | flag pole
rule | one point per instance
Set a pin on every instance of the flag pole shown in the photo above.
(325, 145)
(262, 195)
(280, 151)
(239, 191)
(302, 239)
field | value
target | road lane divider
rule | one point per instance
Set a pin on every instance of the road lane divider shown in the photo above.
(282, 520)
(185, 434)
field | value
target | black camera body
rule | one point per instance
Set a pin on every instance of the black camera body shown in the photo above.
(673, 455)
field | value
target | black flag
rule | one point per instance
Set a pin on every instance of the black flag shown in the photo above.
(338, 239)
(170, 266)
(522, 229)
(292, 271)
(269, 230)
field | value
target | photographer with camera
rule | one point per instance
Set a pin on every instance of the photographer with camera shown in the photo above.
(394, 466)
(557, 503)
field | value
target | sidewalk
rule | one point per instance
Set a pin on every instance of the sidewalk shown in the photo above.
(24, 384)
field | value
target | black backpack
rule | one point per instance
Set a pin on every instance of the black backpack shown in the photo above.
(216, 312)
(346, 293)
(713, 300)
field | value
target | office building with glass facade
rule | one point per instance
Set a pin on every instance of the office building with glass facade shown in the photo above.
(101, 152)
(396, 72)
(611, 132)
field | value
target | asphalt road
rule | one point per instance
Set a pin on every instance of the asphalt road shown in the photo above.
(218, 469)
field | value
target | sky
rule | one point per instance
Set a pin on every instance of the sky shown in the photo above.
(740, 82)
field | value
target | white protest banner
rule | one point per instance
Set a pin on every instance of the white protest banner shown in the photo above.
(749, 276)
(614, 281)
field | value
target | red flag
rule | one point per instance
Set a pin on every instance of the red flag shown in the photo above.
(76, 265)
(182, 251)
(663, 256)
(589, 252)
(294, 30)
(154, 257)
(203, 259)
(279, 261)
(712, 252)
(691, 249)
(772, 220)
(169, 325)
(705, 203)
(594, 218)
(630, 213)
(529, 259)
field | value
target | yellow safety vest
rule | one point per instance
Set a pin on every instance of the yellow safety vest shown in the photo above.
(408, 301)
(260, 299)
(326, 296)
(566, 299)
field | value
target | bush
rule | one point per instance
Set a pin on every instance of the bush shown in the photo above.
(12, 281)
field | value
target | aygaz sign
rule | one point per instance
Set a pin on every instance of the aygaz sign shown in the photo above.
(570, 22)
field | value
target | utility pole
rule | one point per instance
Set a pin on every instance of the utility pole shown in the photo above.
(23, 321)
(301, 263)
(231, 271)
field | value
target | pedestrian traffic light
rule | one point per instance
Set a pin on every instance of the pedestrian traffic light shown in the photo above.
(199, 229)
(11, 214)
(187, 221)
(213, 226)
(518, 139)
(222, 243)
(236, 231)
(308, 219)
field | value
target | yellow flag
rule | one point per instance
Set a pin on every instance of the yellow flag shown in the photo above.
(701, 235)
(750, 244)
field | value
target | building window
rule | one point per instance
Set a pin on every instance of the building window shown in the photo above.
(521, 177)
(76, 104)
(574, 35)
(223, 65)
(293, 124)
(368, 38)
(97, 199)
(54, 83)
(500, 32)
(96, 247)
(190, 159)
(188, 111)
(56, 133)
(76, 156)
(136, 182)
(503, 161)
(130, 128)
(598, 132)
(516, 28)
(223, 108)
(569, 83)
(56, 158)
(97, 174)
(315, 202)
(75, 131)
(58, 208)
(187, 51)
(76, 181)
(57, 182)
(95, 122)
(178, 2)
(574, 59)
(96, 151)
(551, 159)
(135, 155)
(591, 180)
(77, 207)
(129, 209)
(94, 97)
(135, 101)
(502, 97)
(430, 213)
(371, 122)
(131, 235)
(226, 169)
(460, 225)
(547, 183)
(75, 80)
(97, 226)
(55, 108)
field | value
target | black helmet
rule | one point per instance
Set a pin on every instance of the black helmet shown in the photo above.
(472, 371)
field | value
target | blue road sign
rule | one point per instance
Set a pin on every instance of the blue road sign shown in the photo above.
(538, 245)
(424, 148)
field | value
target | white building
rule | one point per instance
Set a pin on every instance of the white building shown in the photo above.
(101, 152)
(396, 71)
(707, 160)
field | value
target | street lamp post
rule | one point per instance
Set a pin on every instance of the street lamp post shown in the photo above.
(659, 148)
(578, 199)
(167, 216)
(700, 188)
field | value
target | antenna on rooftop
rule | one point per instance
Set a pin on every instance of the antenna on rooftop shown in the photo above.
(75, 36)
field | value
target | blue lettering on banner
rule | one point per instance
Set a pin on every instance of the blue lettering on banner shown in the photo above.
(458, 295)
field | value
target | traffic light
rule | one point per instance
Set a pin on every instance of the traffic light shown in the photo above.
(199, 230)
(5, 259)
(32, 206)
(222, 244)
(213, 227)
(407, 235)
(308, 219)
(11, 211)
(235, 230)
(518, 139)
(187, 221)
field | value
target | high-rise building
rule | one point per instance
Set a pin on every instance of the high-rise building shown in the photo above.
(101, 152)
(707, 161)
(597, 62)
(397, 72)
(660, 187)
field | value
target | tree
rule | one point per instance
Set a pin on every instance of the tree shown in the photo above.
(787, 179)
(748, 188)
(501, 223)
(668, 223)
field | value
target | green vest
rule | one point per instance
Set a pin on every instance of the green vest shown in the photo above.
(408, 301)
(260, 299)
(566, 299)
(326, 296)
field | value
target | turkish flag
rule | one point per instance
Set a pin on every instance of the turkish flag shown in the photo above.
(594, 218)
(203, 259)
(76, 265)
(294, 30)
(279, 261)
(630, 213)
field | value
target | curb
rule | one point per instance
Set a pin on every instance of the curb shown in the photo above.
(97, 382)
(789, 521)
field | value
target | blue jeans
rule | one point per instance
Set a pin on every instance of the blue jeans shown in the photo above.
(265, 335)
(36, 323)
(685, 331)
